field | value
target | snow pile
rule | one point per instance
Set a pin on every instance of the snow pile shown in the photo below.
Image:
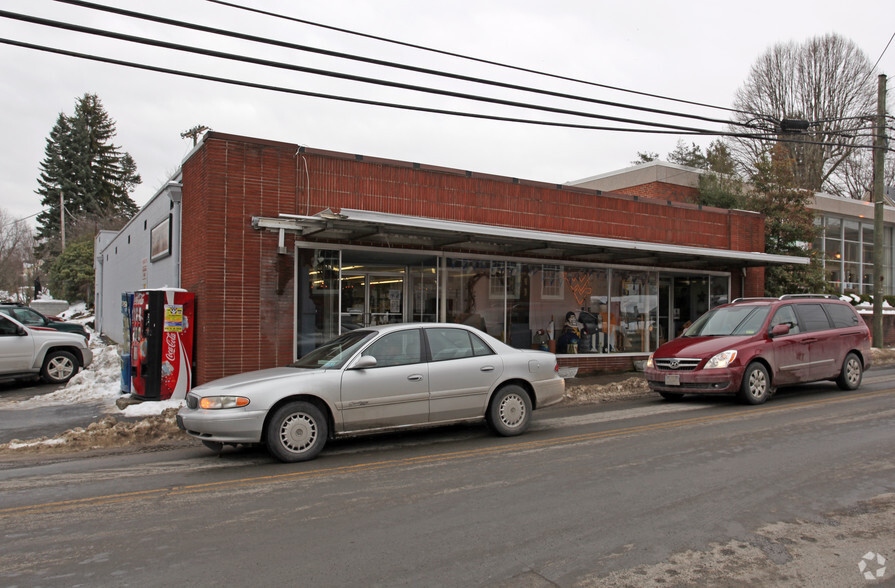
(632, 387)
(107, 433)
(866, 306)
(100, 383)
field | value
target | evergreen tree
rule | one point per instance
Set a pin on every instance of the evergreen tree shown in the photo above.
(71, 274)
(720, 186)
(691, 156)
(789, 225)
(94, 177)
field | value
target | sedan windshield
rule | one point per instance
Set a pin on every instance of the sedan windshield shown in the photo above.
(729, 320)
(335, 353)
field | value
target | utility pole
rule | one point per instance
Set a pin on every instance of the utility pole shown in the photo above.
(879, 152)
(62, 218)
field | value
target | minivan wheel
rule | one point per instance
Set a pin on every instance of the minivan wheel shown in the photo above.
(296, 432)
(509, 412)
(671, 396)
(756, 385)
(852, 373)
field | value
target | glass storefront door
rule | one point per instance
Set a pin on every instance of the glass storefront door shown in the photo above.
(372, 298)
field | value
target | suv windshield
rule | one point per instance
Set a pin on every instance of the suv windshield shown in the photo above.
(335, 353)
(742, 319)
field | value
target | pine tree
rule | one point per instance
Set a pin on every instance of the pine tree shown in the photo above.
(789, 225)
(94, 177)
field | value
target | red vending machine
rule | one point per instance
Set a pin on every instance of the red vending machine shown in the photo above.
(162, 343)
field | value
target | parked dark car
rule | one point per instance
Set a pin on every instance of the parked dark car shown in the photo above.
(31, 318)
(754, 345)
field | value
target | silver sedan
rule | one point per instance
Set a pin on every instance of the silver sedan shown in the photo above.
(371, 380)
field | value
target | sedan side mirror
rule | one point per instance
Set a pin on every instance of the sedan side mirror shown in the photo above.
(366, 361)
(778, 330)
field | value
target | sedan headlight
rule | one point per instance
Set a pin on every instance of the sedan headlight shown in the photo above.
(216, 402)
(722, 360)
(649, 361)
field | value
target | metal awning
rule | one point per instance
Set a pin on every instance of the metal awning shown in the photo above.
(379, 229)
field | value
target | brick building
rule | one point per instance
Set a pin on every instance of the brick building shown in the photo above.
(286, 247)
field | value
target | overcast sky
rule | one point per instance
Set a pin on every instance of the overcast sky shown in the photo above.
(696, 50)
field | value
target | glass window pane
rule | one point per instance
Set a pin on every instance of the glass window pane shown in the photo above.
(469, 299)
(448, 344)
(318, 298)
(851, 230)
(867, 233)
(399, 348)
(833, 228)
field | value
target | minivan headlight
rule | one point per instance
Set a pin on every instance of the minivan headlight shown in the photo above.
(218, 402)
(721, 360)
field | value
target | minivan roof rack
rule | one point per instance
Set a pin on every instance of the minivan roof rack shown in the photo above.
(754, 298)
(790, 296)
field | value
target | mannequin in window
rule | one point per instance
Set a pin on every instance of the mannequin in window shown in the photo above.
(570, 335)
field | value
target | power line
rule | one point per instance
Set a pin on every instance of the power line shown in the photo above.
(475, 59)
(205, 77)
(332, 74)
(384, 63)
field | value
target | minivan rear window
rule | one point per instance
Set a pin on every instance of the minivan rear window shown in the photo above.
(842, 315)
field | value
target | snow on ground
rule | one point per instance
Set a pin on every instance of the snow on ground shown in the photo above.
(100, 382)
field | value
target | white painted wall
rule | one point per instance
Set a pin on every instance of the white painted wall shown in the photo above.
(123, 262)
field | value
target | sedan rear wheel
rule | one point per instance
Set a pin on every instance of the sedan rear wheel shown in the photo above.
(509, 412)
(852, 373)
(296, 432)
(756, 385)
(59, 367)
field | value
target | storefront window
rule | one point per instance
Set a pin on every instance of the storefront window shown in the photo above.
(559, 308)
(634, 303)
(318, 298)
(423, 294)
(475, 294)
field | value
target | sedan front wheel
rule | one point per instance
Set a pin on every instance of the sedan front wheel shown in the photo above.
(296, 432)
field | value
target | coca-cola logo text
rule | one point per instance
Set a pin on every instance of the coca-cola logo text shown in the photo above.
(170, 347)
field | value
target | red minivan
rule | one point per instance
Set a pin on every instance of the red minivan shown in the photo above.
(754, 345)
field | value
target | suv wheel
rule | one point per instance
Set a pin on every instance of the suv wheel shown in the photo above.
(59, 367)
(852, 373)
(756, 385)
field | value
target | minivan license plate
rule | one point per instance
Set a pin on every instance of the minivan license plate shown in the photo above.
(672, 379)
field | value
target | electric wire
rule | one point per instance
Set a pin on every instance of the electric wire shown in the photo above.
(332, 74)
(364, 101)
(470, 58)
(384, 63)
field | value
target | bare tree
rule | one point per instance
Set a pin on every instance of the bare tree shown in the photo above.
(827, 81)
(16, 255)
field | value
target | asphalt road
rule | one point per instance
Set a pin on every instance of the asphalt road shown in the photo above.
(33, 423)
(589, 492)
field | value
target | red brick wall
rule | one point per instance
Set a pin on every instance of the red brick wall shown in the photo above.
(245, 289)
(663, 191)
(338, 182)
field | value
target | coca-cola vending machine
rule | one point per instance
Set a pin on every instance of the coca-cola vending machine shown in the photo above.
(162, 343)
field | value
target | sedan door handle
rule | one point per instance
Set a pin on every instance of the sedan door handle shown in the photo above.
(488, 368)
(415, 377)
